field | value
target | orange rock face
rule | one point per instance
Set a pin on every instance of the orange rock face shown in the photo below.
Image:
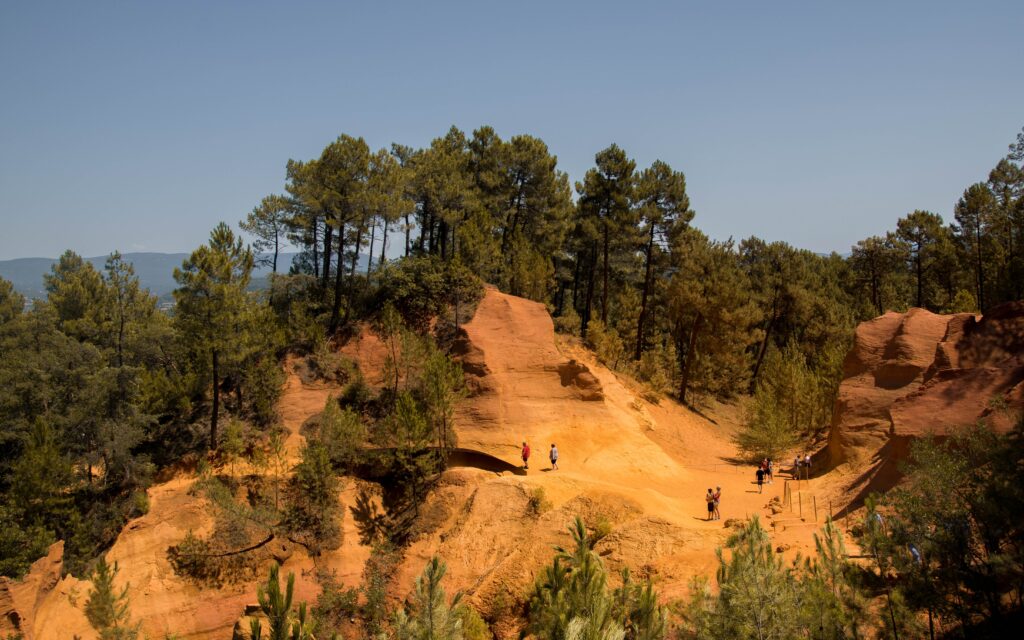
(921, 373)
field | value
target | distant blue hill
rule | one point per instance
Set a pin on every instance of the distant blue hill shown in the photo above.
(155, 271)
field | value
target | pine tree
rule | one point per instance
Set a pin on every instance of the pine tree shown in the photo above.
(974, 212)
(106, 609)
(12, 303)
(277, 606)
(433, 616)
(664, 210)
(923, 232)
(268, 222)
(211, 297)
(315, 511)
(605, 200)
(711, 315)
(875, 260)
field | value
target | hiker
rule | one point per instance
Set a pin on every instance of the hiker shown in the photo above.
(807, 464)
(554, 456)
(526, 456)
(771, 471)
(718, 497)
(710, 499)
(796, 467)
(760, 479)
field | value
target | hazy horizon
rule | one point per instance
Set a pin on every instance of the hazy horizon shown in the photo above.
(138, 128)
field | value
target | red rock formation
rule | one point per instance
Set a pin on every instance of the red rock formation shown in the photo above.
(917, 373)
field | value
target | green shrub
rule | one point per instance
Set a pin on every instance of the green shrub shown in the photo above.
(538, 502)
(569, 322)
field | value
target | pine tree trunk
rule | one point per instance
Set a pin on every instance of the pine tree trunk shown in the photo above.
(604, 288)
(338, 282)
(590, 291)
(764, 349)
(408, 233)
(216, 401)
(384, 244)
(276, 249)
(316, 251)
(369, 262)
(918, 261)
(684, 377)
(981, 276)
(443, 232)
(643, 298)
(431, 244)
(355, 255)
(576, 281)
(328, 238)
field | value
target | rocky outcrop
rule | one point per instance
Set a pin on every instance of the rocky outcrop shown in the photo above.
(577, 375)
(20, 599)
(916, 373)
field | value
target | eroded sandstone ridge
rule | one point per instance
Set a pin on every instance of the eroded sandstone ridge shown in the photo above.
(914, 373)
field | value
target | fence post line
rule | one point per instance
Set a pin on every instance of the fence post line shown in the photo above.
(801, 494)
(815, 499)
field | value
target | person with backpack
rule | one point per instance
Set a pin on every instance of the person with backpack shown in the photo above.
(553, 455)
(760, 479)
(526, 455)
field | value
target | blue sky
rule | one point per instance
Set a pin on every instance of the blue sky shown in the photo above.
(139, 125)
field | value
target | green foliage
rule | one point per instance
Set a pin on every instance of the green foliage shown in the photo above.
(342, 433)
(334, 606)
(21, 543)
(713, 318)
(314, 515)
(423, 288)
(431, 615)
(568, 322)
(12, 303)
(958, 509)
(606, 343)
(473, 625)
(268, 223)
(211, 308)
(538, 502)
(277, 606)
(377, 575)
(442, 386)
(790, 401)
(571, 599)
(106, 609)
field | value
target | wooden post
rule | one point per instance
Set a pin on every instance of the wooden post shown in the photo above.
(801, 505)
(815, 499)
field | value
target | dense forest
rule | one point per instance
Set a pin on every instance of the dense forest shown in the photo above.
(100, 392)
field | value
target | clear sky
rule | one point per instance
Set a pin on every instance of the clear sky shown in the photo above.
(139, 125)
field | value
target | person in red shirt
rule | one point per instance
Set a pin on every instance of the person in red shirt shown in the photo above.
(526, 456)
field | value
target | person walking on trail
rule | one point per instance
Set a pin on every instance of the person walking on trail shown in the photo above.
(710, 499)
(760, 479)
(554, 456)
(526, 456)
(718, 497)
(771, 471)
(797, 463)
(807, 464)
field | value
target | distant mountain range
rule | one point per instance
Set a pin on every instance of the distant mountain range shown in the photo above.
(155, 271)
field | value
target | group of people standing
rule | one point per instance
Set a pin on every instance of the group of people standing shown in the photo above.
(802, 466)
(552, 456)
(765, 471)
(713, 498)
